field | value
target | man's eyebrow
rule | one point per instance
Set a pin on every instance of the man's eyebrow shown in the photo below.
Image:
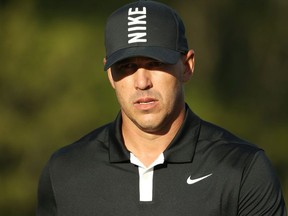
(127, 60)
(134, 59)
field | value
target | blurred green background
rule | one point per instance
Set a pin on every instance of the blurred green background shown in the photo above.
(53, 89)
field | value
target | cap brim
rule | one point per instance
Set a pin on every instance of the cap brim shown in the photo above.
(159, 53)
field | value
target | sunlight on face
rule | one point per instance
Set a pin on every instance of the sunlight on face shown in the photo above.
(149, 92)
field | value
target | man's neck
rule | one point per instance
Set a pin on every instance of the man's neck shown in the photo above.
(147, 146)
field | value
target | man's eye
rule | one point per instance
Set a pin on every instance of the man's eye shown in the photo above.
(155, 64)
(127, 67)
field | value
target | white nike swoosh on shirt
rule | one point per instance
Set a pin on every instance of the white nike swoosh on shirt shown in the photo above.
(193, 181)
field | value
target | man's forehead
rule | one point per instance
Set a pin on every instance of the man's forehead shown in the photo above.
(137, 58)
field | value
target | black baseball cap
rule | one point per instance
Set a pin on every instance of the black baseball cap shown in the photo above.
(144, 28)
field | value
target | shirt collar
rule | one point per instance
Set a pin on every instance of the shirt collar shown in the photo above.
(182, 147)
(134, 160)
(117, 150)
(180, 150)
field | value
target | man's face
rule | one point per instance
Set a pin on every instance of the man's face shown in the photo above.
(149, 92)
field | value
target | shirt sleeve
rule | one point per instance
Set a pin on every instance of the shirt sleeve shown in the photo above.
(260, 189)
(46, 201)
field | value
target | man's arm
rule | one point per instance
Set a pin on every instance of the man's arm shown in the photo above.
(46, 200)
(260, 189)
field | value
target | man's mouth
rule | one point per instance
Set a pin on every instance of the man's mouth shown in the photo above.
(146, 101)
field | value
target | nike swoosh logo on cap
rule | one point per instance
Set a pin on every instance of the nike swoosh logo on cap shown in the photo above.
(193, 181)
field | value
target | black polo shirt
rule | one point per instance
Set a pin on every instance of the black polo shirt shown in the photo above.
(206, 171)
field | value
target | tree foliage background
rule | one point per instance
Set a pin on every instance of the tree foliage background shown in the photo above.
(53, 89)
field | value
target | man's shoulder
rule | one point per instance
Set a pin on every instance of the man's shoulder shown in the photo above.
(91, 143)
(223, 149)
(219, 137)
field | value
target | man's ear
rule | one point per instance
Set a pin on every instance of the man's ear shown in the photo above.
(189, 64)
(110, 77)
(109, 73)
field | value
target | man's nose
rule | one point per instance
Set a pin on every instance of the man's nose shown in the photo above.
(143, 79)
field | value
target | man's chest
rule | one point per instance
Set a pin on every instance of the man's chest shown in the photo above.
(177, 189)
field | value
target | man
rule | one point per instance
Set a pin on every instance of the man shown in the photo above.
(157, 158)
